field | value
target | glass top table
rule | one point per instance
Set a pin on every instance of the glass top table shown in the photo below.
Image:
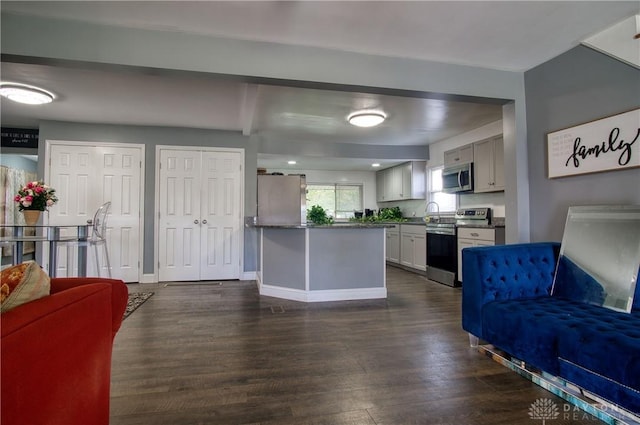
(15, 235)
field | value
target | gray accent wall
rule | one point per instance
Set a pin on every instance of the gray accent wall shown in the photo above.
(337, 256)
(152, 137)
(578, 86)
(284, 258)
(18, 161)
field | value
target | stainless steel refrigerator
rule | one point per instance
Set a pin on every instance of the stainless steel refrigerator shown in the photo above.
(282, 200)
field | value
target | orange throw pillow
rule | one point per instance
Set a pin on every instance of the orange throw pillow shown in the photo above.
(21, 284)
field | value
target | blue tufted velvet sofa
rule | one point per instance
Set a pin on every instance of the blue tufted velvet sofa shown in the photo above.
(506, 302)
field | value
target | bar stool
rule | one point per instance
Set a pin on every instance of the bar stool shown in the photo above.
(98, 238)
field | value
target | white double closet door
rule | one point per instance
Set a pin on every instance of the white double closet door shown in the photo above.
(200, 194)
(86, 175)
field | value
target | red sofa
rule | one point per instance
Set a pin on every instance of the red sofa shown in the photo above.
(56, 354)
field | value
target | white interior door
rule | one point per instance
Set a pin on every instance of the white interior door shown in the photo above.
(199, 228)
(179, 216)
(87, 175)
(221, 190)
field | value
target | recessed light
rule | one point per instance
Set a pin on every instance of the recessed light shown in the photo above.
(24, 93)
(291, 162)
(366, 118)
(375, 165)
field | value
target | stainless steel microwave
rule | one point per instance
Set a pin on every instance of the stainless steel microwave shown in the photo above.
(457, 178)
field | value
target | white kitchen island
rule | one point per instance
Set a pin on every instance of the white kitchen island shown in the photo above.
(322, 263)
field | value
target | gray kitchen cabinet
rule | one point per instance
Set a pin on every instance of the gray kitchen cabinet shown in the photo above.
(392, 184)
(405, 181)
(461, 155)
(413, 176)
(388, 185)
(472, 236)
(413, 246)
(393, 244)
(488, 165)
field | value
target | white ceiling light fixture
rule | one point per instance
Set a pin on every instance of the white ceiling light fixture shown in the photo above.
(291, 162)
(23, 93)
(366, 118)
(375, 165)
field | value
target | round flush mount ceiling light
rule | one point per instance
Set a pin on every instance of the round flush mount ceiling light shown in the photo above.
(291, 162)
(366, 118)
(24, 93)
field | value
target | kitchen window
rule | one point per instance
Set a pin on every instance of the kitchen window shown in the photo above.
(447, 202)
(339, 200)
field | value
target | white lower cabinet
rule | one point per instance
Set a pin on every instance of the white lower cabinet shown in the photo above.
(393, 244)
(472, 236)
(413, 246)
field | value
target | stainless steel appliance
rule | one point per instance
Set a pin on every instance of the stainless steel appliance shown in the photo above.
(442, 243)
(282, 200)
(458, 178)
(473, 216)
(442, 252)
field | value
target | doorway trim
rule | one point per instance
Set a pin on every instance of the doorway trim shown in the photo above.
(97, 144)
(156, 214)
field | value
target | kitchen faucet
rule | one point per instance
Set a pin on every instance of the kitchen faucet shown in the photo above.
(426, 208)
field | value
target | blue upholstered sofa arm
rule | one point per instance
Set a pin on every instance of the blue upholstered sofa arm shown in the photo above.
(504, 272)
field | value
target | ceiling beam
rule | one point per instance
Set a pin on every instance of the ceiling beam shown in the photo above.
(248, 108)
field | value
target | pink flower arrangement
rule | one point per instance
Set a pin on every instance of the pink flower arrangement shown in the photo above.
(35, 196)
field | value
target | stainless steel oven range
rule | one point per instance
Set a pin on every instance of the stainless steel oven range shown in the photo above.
(442, 243)
(442, 253)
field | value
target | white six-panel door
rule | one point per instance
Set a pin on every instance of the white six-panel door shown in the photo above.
(200, 217)
(179, 215)
(220, 210)
(86, 175)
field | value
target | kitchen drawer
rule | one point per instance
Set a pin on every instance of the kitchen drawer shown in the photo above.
(394, 228)
(475, 233)
(413, 229)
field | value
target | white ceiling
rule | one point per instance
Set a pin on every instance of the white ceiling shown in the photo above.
(499, 35)
(508, 35)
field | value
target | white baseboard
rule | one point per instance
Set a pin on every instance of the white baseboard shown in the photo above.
(324, 295)
(284, 293)
(151, 278)
(347, 294)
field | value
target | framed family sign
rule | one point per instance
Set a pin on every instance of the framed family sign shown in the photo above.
(610, 143)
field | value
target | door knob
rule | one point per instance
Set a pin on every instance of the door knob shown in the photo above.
(204, 221)
(195, 221)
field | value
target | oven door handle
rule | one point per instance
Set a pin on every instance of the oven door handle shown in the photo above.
(441, 232)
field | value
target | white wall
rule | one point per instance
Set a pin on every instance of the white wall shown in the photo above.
(366, 178)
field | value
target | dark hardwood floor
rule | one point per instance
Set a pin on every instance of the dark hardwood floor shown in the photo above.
(221, 354)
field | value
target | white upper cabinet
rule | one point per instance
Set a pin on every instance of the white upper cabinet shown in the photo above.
(405, 181)
(461, 155)
(489, 165)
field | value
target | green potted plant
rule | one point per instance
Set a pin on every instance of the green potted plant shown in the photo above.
(317, 215)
